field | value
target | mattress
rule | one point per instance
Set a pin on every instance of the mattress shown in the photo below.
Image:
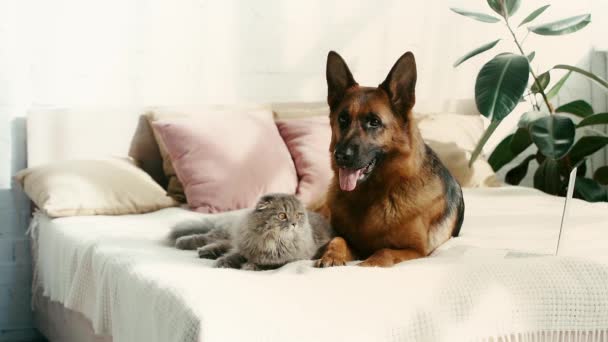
(499, 280)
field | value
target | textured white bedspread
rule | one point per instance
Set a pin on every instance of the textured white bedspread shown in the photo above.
(120, 274)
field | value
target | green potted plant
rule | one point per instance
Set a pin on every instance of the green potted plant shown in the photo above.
(508, 79)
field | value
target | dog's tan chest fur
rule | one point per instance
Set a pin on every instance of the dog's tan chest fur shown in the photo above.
(398, 219)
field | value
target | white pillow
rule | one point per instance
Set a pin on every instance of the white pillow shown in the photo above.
(92, 187)
(454, 137)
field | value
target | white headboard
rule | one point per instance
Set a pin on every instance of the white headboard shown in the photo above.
(79, 133)
(92, 133)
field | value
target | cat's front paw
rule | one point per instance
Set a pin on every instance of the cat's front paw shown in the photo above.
(249, 266)
(227, 262)
(184, 242)
(210, 252)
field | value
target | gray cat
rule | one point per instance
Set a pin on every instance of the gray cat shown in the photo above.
(277, 231)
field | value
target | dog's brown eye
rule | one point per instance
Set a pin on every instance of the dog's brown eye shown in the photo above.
(374, 122)
(282, 216)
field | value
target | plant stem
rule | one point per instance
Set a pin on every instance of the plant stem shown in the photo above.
(525, 37)
(531, 101)
(521, 50)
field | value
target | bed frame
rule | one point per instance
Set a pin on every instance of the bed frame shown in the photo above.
(90, 133)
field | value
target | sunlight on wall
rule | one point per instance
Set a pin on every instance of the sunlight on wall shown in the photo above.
(185, 52)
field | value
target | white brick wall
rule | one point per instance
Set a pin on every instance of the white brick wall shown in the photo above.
(15, 264)
(15, 261)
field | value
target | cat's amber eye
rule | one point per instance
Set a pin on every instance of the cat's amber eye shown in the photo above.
(283, 216)
(300, 215)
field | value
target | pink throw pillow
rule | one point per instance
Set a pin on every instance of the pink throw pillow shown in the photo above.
(226, 161)
(308, 142)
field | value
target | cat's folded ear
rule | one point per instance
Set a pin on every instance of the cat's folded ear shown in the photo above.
(262, 204)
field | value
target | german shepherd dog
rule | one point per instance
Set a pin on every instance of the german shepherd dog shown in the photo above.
(391, 198)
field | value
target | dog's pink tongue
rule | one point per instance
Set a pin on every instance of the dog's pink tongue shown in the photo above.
(348, 179)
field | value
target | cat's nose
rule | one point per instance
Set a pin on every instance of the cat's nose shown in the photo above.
(293, 225)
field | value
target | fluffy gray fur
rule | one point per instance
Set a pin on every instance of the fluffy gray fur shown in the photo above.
(277, 231)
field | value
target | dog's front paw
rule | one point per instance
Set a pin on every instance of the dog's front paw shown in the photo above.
(370, 263)
(330, 260)
(377, 260)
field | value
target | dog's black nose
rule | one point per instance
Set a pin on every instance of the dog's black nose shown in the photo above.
(345, 156)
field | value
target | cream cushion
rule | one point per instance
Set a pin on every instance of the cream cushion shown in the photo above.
(92, 187)
(454, 137)
(298, 110)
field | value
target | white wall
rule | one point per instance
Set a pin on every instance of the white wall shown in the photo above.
(192, 51)
(146, 52)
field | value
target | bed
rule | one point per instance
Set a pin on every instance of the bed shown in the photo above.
(116, 278)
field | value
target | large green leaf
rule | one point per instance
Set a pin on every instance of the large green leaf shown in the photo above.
(601, 175)
(586, 146)
(540, 157)
(547, 178)
(590, 190)
(553, 135)
(486, 18)
(476, 52)
(595, 119)
(500, 84)
(502, 6)
(557, 86)
(484, 139)
(502, 154)
(517, 174)
(529, 117)
(579, 108)
(581, 169)
(533, 15)
(586, 73)
(564, 26)
(542, 83)
(565, 168)
(520, 141)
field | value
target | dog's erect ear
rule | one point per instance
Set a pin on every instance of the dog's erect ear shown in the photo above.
(339, 79)
(400, 84)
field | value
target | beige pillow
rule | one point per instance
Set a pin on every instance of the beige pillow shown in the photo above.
(453, 137)
(296, 110)
(92, 187)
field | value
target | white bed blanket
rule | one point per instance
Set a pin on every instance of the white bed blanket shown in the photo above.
(119, 273)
